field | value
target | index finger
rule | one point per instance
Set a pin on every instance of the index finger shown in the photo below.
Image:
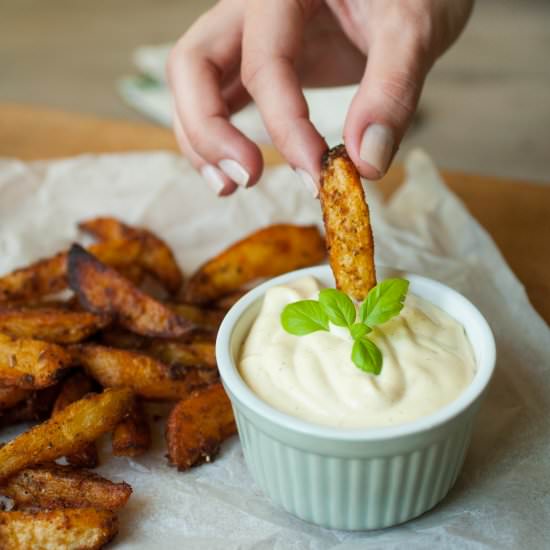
(273, 31)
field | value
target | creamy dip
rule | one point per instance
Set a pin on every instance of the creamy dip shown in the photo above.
(428, 361)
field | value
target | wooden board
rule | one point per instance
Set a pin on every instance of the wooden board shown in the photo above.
(516, 214)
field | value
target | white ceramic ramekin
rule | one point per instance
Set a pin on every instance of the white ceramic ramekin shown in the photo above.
(354, 478)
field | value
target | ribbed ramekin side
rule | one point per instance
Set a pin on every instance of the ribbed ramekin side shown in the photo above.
(354, 493)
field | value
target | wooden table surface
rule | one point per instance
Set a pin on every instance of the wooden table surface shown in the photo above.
(516, 216)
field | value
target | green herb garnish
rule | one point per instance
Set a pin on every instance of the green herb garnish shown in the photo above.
(383, 302)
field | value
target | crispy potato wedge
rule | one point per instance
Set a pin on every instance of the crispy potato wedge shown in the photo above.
(68, 431)
(347, 224)
(31, 364)
(146, 376)
(268, 252)
(49, 275)
(103, 290)
(37, 405)
(185, 354)
(64, 529)
(73, 389)
(51, 324)
(156, 257)
(54, 486)
(193, 353)
(11, 395)
(197, 426)
(132, 436)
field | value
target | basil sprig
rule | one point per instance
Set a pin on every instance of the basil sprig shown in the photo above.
(383, 302)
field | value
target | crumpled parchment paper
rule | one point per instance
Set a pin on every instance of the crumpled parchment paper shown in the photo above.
(502, 498)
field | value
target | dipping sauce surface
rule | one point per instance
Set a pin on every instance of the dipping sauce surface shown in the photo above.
(428, 362)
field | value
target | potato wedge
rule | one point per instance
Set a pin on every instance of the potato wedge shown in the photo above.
(11, 395)
(103, 290)
(73, 389)
(268, 252)
(347, 224)
(49, 275)
(54, 486)
(156, 257)
(64, 529)
(146, 376)
(186, 354)
(51, 324)
(132, 435)
(31, 364)
(68, 431)
(197, 426)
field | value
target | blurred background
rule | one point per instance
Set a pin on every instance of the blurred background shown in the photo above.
(485, 107)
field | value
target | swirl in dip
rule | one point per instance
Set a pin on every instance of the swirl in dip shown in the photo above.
(428, 362)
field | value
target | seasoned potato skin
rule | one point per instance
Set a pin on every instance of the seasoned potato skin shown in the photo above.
(198, 425)
(132, 435)
(347, 224)
(31, 364)
(156, 257)
(66, 529)
(54, 486)
(102, 290)
(49, 275)
(145, 375)
(68, 431)
(268, 252)
(50, 324)
(73, 389)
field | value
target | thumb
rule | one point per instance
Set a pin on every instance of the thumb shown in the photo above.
(384, 104)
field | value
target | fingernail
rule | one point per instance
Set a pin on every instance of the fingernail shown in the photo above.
(232, 169)
(213, 178)
(308, 181)
(377, 146)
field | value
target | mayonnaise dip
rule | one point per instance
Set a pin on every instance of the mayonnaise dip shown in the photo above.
(428, 361)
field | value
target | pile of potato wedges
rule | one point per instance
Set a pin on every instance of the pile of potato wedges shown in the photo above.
(90, 335)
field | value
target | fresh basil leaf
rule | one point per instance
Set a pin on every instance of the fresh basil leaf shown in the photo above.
(367, 356)
(358, 330)
(338, 306)
(304, 317)
(384, 301)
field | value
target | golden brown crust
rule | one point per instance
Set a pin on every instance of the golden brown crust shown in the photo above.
(73, 389)
(156, 257)
(347, 224)
(55, 486)
(68, 431)
(76, 529)
(31, 364)
(102, 290)
(197, 426)
(268, 252)
(146, 376)
(49, 275)
(50, 324)
(132, 436)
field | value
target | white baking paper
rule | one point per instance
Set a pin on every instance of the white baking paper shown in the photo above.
(502, 498)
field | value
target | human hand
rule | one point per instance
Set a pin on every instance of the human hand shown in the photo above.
(266, 50)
